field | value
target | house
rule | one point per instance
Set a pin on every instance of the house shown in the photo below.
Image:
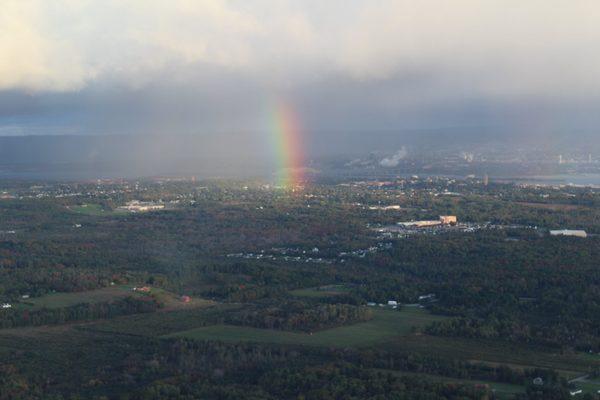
(427, 297)
(6, 305)
(186, 299)
(393, 303)
(538, 381)
(143, 289)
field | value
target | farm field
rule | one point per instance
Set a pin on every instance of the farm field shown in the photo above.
(162, 323)
(95, 210)
(61, 300)
(107, 294)
(501, 390)
(570, 365)
(385, 325)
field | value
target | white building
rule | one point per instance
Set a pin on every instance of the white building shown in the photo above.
(142, 206)
(385, 208)
(6, 305)
(569, 232)
(392, 303)
(419, 224)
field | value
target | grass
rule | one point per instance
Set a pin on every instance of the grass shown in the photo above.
(569, 365)
(61, 300)
(588, 386)
(162, 323)
(501, 390)
(94, 210)
(385, 325)
(104, 295)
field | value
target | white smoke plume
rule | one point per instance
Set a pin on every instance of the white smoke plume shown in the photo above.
(394, 160)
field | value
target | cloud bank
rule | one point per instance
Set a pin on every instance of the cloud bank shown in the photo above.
(502, 46)
(131, 66)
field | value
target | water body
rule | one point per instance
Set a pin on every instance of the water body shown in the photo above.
(87, 172)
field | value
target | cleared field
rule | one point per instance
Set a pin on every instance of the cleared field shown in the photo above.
(60, 300)
(385, 325)
(589, 386)
(570, 365)
(162, 323)
(95, 210)
(501, 390)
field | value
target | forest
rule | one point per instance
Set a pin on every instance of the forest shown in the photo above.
(476, 314)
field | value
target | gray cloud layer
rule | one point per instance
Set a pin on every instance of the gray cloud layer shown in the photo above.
(182, 66)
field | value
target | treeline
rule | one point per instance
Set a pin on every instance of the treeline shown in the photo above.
(299, 316)
(11, 318)
(202, 369)
(580, 334)
(140, 368)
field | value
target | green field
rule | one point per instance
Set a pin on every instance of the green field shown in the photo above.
(94, 210)
(501, 390)
(169, 300)
(162, 323)
(385, 325)
(319, 292)
(589, 386)
(568, 364)
(60, 300)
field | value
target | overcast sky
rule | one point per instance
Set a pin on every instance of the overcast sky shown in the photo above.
(473, 67)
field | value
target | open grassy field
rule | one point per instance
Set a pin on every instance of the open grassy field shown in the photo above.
(385, 325)
(501, 390)
(60, 300)
(94, 210)
(569, 364)
(162, 323)
(589, 385)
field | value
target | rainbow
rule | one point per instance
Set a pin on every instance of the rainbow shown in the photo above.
(287, 146)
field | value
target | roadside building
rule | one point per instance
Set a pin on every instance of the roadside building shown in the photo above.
(448, 219)
(569, 232)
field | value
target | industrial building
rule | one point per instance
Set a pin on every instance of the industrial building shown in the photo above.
(444, 220)
(569, 232)
(142, 206)
(448, 219)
